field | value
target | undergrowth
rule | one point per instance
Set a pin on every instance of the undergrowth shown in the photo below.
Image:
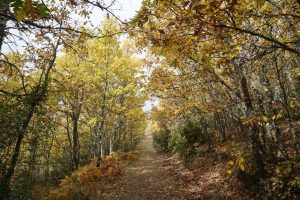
(71, 187)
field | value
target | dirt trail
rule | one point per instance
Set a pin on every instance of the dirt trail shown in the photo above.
(155, 176)
(146, 178)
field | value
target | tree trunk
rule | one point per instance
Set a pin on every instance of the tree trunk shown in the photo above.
(208, 137)
(69, 134)
(76, 153)
(4, 8)
(256, 144)
(110, 145)
(99, 148)
(76, 111)
(287, 108)
(5, 182)
(33, 144)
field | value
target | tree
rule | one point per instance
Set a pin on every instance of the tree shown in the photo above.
(216, 60)
(48, 22)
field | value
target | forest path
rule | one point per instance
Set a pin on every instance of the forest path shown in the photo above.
(147, 178)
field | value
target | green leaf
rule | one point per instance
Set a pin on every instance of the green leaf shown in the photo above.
(17, 4)
(20, 15)
(43, 11)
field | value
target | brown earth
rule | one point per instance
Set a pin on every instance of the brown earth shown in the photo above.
(155, 176)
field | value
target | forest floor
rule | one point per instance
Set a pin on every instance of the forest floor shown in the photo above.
(154, 176)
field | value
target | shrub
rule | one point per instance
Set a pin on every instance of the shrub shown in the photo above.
(178, 144)
(184, 139)
(70, 186)
(284, 182)
(161, 139)
(128, 146)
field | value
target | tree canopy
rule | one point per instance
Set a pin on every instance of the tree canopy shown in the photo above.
(224, 73)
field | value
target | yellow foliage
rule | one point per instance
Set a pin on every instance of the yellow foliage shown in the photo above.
(128, 156)
(83, 177)
(109, 158)
(70, 185)
(265, 119)
(97, 174)
(131, 155)
(276, 117)
(66, 181)
(231, 163)
(110, 171)
(241, 164)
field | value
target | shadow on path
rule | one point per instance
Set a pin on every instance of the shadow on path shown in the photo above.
(145, 178)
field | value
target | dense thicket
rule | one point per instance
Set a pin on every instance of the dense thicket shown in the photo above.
(227, 75)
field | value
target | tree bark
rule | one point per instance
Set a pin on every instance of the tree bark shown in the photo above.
(4, 8)
(76, 154)
(256, 144)
(5, 182)
(99, 145)
(76, 110)
(100, 124)
(287, 108)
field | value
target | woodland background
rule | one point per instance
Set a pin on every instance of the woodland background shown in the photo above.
(225, 73)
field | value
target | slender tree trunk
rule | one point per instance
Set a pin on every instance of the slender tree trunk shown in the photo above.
(223, 126)
(242, 128)
(5, 182)
(277, 138)
(110, 145)
(70, 142)
(76, 152)
(263, 126)
(208, 137)
(100, 125)
(256, 144)
(76, 111)
(48, 158)
(287, 108)
(32, 162)
(4, 8)
(99, 145)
